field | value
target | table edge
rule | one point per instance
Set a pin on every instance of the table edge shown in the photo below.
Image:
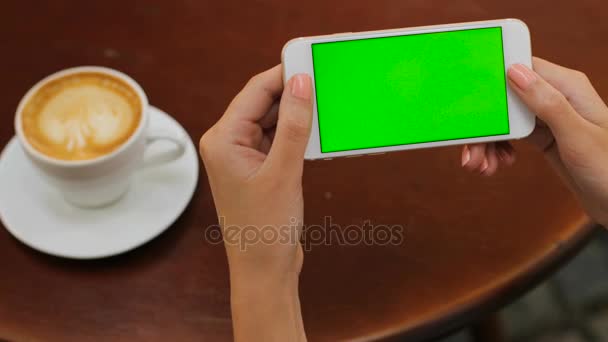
(502, 293)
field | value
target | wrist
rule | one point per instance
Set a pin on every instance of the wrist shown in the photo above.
(267, 307)
(271, 265)
(265, 295)
(248, 284)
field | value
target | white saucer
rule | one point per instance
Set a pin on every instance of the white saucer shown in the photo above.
(37, 215)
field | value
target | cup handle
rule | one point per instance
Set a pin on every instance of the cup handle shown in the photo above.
(167, 155)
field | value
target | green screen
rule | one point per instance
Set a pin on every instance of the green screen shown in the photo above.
(400, 90)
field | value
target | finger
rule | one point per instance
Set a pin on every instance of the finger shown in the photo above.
(466, 155)
(507, 157)
(244, 134)
(492, 159)
(576, 87)
(266, 142)
(546, 102)
(270, 119)
(293, 126)
(541, 137)
(265, 145)
(505, 152)
(478, 154)
(258, 95)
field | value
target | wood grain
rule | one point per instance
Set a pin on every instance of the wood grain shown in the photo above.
(470, 243)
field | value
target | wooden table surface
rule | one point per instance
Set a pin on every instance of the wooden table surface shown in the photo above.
(470, 244)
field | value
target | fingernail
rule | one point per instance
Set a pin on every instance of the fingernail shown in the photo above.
(484, 165)
(521, 75)
(466, 156)
(301, 86)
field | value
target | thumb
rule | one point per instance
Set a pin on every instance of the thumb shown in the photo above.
(550, 105)
(293, 126)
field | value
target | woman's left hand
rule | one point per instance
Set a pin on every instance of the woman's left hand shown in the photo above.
(254, 158)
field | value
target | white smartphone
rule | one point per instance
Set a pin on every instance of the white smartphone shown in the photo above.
(391, 90)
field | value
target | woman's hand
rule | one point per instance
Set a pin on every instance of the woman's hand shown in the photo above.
(254, 160)
(572, 131)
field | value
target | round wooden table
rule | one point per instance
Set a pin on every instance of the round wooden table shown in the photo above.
(470, 244)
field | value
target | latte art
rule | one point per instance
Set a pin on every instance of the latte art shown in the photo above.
(81, 116)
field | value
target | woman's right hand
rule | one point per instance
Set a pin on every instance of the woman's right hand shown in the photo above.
(572, 131)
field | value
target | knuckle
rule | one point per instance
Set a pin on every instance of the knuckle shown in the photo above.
(578, 76)
(582, 77)
(575, 73)
(205, 144)
(553, 101)
(296, 129)
(254, 80)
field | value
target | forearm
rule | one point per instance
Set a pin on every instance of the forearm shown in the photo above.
(266, 308)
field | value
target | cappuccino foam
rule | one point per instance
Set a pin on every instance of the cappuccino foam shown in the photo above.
(81, 116)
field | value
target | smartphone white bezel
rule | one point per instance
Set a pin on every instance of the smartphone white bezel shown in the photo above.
(297, 58)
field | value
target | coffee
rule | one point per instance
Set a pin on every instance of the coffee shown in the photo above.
(81, 116)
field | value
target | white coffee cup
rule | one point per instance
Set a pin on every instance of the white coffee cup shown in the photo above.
(103, 180)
